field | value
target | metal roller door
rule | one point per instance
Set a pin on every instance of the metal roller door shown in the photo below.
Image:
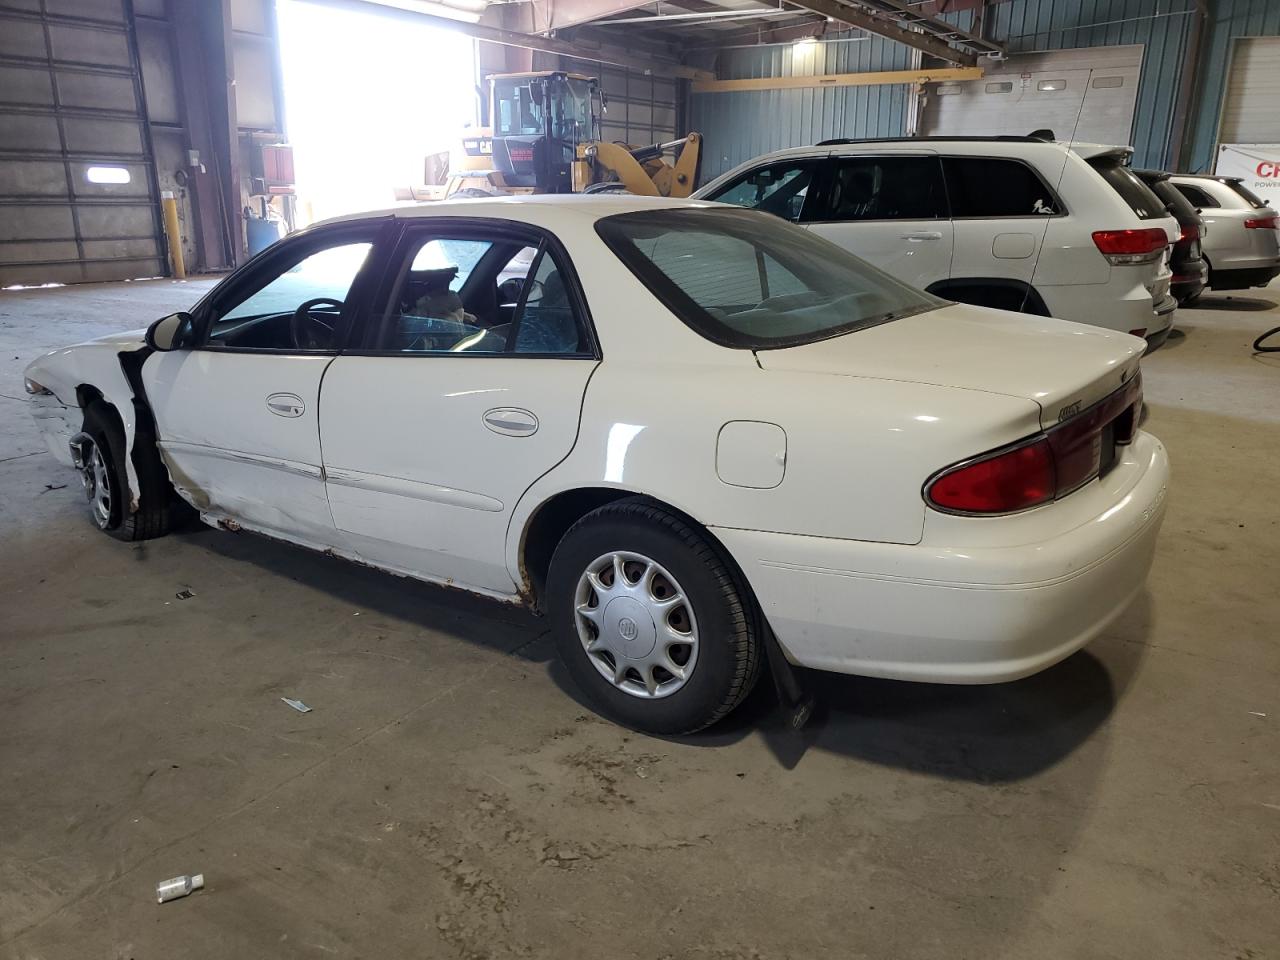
(1090, 92)
(77, 185)
(1251, 109)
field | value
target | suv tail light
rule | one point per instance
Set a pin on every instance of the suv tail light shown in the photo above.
(1044, 467)
(1131, 246)
(1260, 223)
(1189, 232)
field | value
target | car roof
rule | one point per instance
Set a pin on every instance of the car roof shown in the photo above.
(1207, 176)
(1015, 145)
(542, 209)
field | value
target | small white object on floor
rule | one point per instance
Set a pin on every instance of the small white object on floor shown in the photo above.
(297, 705)
(178, 887)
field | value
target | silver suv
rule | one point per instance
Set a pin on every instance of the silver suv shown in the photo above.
(1241, 241)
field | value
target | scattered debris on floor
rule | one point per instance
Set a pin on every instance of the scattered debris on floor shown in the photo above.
(178, 887)
(185, 594)
(297, 705)
(53, 486)
(1255, 713)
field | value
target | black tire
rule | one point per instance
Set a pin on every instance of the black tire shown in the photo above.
(154, 516)
(729, 635)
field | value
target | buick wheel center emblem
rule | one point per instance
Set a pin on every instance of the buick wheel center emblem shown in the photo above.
(627, 627)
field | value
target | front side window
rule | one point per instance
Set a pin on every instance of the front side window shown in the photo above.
(465, 294)
(780, 189)
(994, 187)
(297, 303)
(886, 188)
(517, 110)
(1199, 198)
(753, 282)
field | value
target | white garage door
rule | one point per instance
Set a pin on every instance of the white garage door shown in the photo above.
(77, 183)
(1250, 113)
(1089, 92)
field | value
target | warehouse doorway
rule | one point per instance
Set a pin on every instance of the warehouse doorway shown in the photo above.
(367, 98)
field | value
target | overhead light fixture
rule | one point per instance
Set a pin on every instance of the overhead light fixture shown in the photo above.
(806, 42)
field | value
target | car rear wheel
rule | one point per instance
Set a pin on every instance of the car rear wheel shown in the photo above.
(650, 620)
(100, 457)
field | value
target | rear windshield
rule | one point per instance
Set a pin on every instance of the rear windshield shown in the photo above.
(1178, 205)
(1132, 190)
(1249, 196)
(749, 280)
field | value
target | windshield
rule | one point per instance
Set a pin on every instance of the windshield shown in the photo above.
(1248, 195)
(572, 109)
(749, 280)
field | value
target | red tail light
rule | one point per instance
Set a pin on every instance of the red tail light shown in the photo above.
(1260, 223)
(1131, 246)
(1041, 468)
(1189, 232)
(1014, 480)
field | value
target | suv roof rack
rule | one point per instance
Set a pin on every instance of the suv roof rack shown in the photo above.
(842, 141)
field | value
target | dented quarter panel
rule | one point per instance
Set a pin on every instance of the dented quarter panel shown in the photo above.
(95, 364)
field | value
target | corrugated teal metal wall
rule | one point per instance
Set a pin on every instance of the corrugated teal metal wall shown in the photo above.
(740, 125)
(1161, 26)
(1229, 19)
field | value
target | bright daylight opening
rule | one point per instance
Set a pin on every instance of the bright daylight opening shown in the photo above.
(107, 175)
(367, 98)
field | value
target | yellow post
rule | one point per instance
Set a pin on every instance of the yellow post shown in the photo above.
(172, 234)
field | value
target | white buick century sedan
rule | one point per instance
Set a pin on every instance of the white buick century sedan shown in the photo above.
(686, 432)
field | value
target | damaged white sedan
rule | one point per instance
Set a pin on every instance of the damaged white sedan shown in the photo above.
(693, 435)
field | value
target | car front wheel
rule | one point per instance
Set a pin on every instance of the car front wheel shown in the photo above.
(650, 620)
(99, 452)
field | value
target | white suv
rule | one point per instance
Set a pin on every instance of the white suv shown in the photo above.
(1018, 223)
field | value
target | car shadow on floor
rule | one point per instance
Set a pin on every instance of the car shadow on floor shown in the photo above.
(993, 733)
(986, 734)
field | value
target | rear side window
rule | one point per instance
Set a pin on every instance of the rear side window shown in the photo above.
(1133, 191)
(1196, 196)
(992, 187)
(885, 188)
(780, 189)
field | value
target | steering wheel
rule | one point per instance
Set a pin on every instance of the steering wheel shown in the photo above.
(303, 323)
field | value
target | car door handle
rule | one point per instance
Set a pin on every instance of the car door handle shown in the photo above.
(923, 235)
(511, 421)
(286, 404)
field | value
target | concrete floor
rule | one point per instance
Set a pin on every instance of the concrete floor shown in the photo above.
(450, 797)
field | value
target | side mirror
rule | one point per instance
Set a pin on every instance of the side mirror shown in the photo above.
(171, 333)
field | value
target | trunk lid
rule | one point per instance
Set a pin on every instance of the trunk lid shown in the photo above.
(1063, 367)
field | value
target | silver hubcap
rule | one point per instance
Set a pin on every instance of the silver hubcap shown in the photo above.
(636, 625)
(97, 486)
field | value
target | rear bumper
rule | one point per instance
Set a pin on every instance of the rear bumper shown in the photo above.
(1241, 278)
(1189, 280)
(957, 614)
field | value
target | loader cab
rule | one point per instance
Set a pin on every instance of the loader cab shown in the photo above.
(538, 120)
